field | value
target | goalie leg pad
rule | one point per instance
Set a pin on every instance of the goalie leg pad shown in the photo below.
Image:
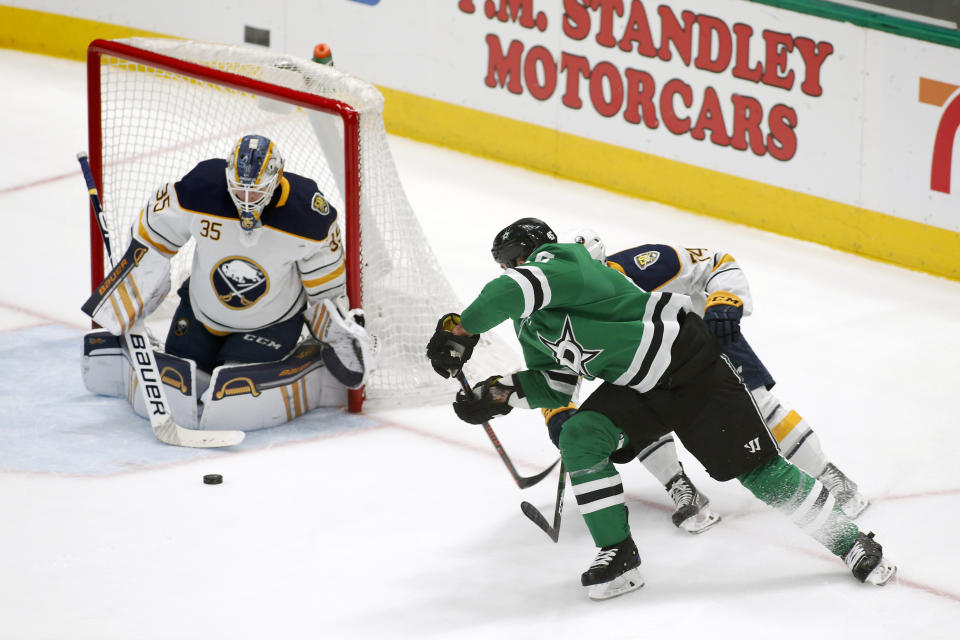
(102, 363)
(107, 371)
(256, 396)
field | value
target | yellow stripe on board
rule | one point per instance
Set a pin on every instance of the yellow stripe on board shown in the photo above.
(57, 35)
(868, 233)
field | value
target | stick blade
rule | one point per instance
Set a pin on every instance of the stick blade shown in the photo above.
(170, 432)
(524, 483)
(537, 518)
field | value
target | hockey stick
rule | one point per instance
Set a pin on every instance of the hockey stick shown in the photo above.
(538, 518)
(141, 353)
(522, 482)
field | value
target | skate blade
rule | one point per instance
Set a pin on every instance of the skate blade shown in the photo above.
(855, 506)
(700, 522)
(882, 573)
(624, 583)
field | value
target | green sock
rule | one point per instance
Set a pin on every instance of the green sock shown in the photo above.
(586, 442)
(804, 500)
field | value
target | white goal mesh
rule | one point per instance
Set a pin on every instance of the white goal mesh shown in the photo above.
(153, 118)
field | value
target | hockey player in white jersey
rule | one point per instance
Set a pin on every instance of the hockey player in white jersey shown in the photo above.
(269, 256)
(720, 293)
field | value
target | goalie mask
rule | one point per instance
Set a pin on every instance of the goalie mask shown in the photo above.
(253, 172)
(517, 241)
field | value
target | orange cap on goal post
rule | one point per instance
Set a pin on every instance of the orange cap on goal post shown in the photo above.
(322, 54)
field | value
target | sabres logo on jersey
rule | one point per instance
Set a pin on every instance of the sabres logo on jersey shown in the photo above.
(647, 259)
(239, 282)
(319, 204)
(568, 352)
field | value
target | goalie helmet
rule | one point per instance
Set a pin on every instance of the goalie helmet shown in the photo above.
(253, 172)
(517, 241)
(590, 239)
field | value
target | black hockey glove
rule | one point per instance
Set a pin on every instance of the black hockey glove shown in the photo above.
(487, 400)
(448, 352)
(722, 315)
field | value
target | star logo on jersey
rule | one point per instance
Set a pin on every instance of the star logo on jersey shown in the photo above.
(644, 260)
(569, 352)
(239, 282)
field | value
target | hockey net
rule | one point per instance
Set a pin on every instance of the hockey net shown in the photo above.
(159, 106)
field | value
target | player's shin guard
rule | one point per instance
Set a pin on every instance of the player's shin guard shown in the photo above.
(586, 442)
(804, 500)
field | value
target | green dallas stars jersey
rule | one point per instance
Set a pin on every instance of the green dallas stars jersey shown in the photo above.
(577, 317)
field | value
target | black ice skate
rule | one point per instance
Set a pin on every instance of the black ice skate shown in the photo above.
(693, 513)
(866, 561)
(844, 491)
(613, 572)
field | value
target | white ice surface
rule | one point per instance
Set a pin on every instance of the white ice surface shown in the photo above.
(405, 524)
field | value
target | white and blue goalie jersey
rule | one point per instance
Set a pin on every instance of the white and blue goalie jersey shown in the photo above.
(240, 280)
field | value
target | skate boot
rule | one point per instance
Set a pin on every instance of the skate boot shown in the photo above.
(613, 572)
(866, 561)
(844, 491)
(693, 513)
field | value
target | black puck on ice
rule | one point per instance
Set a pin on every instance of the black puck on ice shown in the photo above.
(212, 478)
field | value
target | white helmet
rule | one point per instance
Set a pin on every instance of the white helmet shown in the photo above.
(589, 239)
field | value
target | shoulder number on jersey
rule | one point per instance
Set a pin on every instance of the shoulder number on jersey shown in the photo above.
(162, 199)
(335, 240)
(699, 255)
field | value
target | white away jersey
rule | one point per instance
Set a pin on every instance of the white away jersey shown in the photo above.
(241, 281)
(693, 272)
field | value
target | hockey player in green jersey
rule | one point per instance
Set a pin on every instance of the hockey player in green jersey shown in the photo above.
(662, 369)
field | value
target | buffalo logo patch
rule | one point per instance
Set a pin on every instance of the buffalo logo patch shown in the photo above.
(644, 260)
(181, 327)
(239, 282)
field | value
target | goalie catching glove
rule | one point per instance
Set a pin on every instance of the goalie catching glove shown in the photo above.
(131, 291)
(350, 353)
(447, 351)
(722, 314)
(486, 400)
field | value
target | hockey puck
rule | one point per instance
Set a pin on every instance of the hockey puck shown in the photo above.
(212, 478)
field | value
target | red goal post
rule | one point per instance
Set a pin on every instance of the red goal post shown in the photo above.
(158, 106)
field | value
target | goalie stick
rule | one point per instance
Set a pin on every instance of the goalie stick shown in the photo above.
(522, 482)
(141, 352)
(538, 518)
